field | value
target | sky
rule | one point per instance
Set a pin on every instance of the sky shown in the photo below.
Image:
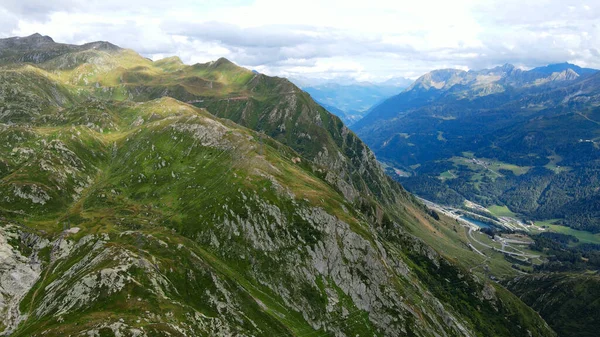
(327, 39)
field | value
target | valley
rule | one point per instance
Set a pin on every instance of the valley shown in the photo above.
(505, 243)
(511, 156)
(500, 147)
(351, 100)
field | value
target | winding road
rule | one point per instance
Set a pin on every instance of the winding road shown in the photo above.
(502, 250)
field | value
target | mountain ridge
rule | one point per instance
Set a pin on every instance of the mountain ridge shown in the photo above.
(150, 198)
(37, 48)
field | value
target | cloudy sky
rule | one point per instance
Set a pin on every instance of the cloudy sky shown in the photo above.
(367, 40)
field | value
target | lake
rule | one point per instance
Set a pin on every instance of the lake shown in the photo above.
(476, 222)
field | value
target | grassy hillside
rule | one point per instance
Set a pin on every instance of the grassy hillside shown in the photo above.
(568, 302)
(125, 211)
(270, 105)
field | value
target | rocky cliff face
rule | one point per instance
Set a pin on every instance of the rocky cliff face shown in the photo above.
(129, 213)
(19, 273)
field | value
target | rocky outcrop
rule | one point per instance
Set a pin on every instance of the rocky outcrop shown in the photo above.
(19, 270)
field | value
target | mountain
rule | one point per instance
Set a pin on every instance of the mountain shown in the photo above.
(155, 198)
(561, 67)
(569, 302)
(400, 82)
(337, 112)
(38, 49)
(449, 85)
(351, 100)
(499, 137)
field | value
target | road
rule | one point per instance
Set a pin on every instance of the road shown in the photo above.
(501, 250)
(470, 227)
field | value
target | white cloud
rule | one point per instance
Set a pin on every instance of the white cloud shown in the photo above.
(327, 38)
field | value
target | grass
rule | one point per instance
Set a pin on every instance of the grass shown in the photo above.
(501, 211)
(583, 236)
(558, 169)
(488, 167)
(553, 165)
(138, 154)
(447, 175)
(517, 170)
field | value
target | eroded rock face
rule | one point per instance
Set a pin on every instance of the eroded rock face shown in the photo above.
(101, 268)
(352, 274)
(18, 273)
(352, 277)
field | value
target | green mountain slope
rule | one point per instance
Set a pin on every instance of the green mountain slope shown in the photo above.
(569, 302)
(130, 213)
(271, 105)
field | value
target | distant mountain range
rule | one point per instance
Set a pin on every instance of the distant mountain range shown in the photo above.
(528, 140)
(351, 100)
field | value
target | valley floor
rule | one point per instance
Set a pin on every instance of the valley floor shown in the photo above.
(515, 246)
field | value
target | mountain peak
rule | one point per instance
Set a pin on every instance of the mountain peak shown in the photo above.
(560, 67)
(101, 45)
(437, 79)
(507, 67)
(39, 37)
(222, 61)
(33, 40)
(38, 48)
(171, 59)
